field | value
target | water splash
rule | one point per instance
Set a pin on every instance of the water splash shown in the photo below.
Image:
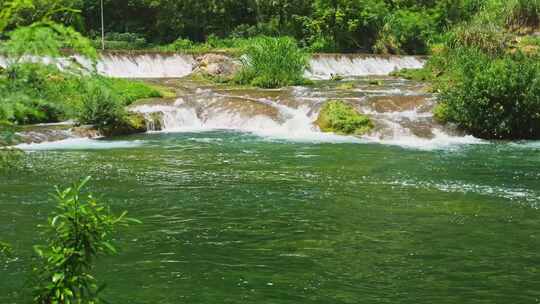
(79, 144)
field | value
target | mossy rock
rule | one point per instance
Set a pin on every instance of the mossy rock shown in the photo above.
(346, 86)
(132, 123)
(336, 116)
(376, 82)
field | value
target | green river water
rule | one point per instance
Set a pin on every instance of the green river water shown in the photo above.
(234, 218)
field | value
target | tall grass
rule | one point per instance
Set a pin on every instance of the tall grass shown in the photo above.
(487, 37)
(272, 63)
(522, 13)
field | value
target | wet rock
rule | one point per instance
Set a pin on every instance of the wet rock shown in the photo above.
(133, 123)
(154, 121)
(85, 131)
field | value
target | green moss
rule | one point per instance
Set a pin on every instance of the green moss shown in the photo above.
(131, 123)
(339, 117)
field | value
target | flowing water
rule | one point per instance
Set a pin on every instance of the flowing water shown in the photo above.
(243, 200)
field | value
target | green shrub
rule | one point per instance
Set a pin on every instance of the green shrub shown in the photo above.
(497, 98)
(100, 107)
(341, 118)
(78, 231)
(273, 62)
(440, 113)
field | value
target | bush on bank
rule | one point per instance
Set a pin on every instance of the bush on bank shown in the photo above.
(495, 98)
(37, 93)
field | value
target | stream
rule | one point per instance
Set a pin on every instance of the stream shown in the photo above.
(244, 200)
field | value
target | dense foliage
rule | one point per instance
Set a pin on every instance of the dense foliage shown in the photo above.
(496, 98)
(323, 25)
(488, 73)
(35, 93)
(78, 231)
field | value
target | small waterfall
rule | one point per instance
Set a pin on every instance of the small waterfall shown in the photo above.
(400, 118)
(289, 123)
(146, 65)
(323, 66)
(156, 65)
(126, 65)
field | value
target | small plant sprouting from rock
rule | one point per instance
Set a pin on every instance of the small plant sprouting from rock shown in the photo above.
(81, 229)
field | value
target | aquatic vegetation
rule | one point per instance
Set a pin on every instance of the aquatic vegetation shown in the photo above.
(424, 74)
(80, 229)
(272, 63)
(341, 118)
(5, 249)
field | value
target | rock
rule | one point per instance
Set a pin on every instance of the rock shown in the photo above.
(386, 104)
(217, 65)
(86, 131)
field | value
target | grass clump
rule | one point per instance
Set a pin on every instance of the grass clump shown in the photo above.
(339, 117)
(488, 37)
(522, 13)
(272, 63)
(423, 74)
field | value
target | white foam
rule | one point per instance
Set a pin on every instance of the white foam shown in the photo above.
(440, 141)
(294, 124)
(79, 144)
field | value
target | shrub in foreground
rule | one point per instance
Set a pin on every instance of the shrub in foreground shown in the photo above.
(272, 63)
(339, 117)
(497, 99)
(80, 230)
